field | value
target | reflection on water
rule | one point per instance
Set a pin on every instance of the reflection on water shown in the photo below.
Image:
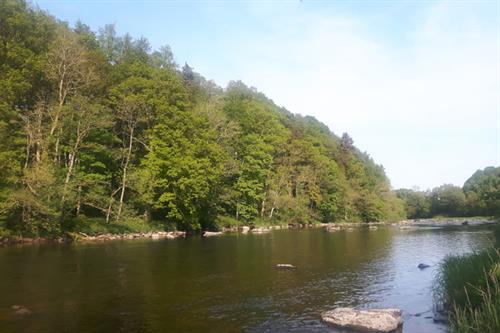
(226, 284)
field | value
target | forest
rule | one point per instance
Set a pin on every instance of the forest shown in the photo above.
(99, 126)
(99, 129)
(479, 196)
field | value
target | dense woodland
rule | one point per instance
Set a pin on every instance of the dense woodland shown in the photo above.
(97, 128)
(97, 125)
(480, 196)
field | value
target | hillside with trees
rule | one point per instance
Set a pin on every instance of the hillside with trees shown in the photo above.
(98, 127)
(479, 196)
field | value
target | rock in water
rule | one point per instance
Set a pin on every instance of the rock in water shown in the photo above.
(285, 266)
(20, 310)
(422, 266)
(372, 320)
(212, 233)
(260, 230)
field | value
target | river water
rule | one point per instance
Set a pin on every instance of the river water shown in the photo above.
(227, 283)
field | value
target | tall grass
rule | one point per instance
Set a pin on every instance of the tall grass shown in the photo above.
(470, 289)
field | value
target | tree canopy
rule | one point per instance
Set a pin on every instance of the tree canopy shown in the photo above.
(97, 125)
(479, 196)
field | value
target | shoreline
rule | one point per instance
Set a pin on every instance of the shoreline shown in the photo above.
(80, 237)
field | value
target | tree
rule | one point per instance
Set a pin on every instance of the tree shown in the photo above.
(483, 191)
(417, 204)
(183, 166)
(447, 200)
(130, 100)
(70, 69)
(84, 117)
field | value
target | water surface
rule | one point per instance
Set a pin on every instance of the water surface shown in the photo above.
(227, 283)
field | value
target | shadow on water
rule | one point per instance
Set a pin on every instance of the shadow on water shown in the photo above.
(228, 283)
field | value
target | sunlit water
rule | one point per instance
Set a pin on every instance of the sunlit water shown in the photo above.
(228, 283)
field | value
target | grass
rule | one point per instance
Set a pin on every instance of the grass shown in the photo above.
(470, 289)
(96, 226)
(227, 222)
(485, 317)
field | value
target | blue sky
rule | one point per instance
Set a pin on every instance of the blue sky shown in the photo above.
(415, 83)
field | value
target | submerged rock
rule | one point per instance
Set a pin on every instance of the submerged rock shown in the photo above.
(439, 317)
(406, 227)
(285, 266)
(422, 266)
(21, 310)
(372, 320)
(333, 227)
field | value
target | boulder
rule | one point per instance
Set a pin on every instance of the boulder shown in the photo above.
(212, 233)
(245, 229)
(371, 320)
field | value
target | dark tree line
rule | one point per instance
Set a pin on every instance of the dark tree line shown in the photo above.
(96, 126)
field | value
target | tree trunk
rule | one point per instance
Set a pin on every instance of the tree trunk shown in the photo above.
(69, 173)
(108, 212)
(147, 213)
(124, 177)
(62, 98)
(272, 211)
(263, 207)
(79, 201)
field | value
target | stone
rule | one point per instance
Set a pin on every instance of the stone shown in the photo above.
(21, 310)
(371, 320)
(212, 233)
(260, 230)
(406, 227)
(245, 229)
(422, 266)
(333, 228)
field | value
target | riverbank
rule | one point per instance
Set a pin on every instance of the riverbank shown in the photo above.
(444, 221)
(95, 231)
(82, 237)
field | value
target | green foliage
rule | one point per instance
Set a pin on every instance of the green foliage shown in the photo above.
(483, 192)
(97, 226)
(470, 286)
(417, 204)
(480, 196)
(225, 222)
(123, 134)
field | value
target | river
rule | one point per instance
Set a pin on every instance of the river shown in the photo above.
(227, 283)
